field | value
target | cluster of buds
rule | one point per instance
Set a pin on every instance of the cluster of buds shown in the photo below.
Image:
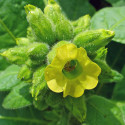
(58, 53)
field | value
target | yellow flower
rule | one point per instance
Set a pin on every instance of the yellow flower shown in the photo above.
(71, 71)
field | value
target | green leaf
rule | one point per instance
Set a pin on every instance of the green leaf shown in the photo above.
(3, 63)
(39, 83)
(112, 19)
(101, 111)
(116, 2)
(12, 14)
(76, 8)
(121, 105)
(119, 90)
(25, 116)
(8, 78)
(77, 107)
(19, 97)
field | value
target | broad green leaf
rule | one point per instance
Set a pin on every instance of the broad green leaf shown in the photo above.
(8, 78)
(112, 18)
(18, 97)
(76, 8)
(101, 111)
(116, 2)
(12, 14)
(25, 116)
(119, 90)
(121, 105)
(3, 63)
(77, 107)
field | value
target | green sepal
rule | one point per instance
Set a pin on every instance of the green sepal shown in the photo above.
(82, 24)
(54, 99)
(30, 34)
(16, 55)
(39, 83)
(64, 28)
(42, 27)
(25, 73)
(23, 41)
(77, 106)
(37, 51)
(52, 53)
(101, 53)
(108, 75)
(40, 103)
(93, 40)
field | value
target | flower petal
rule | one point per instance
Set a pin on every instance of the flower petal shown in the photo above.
(67, 52)
(55, 79)
(88, 82)
(92, 69)
(73, 88)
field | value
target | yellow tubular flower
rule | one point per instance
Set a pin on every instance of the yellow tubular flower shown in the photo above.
(71, 71)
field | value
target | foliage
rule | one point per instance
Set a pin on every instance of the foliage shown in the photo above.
(25, 95)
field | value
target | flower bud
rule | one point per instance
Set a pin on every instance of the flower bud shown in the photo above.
(37, 52)
(23, 41)
(42, 27)
(64, 28)
(82, 24)
(16, 55)
(94, 39)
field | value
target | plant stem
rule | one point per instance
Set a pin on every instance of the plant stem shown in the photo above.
(7, 30)
(23, 120)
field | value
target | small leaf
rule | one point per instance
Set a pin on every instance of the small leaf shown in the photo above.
(39, 83)
(19, 97)
(101, 111)
(8, 78)
(112, 19)
(25, 73)
(77, 107)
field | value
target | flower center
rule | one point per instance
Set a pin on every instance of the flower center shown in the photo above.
(72, 69)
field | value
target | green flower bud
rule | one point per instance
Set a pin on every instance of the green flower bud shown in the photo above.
(37, 51)
(53, 11)
(94, 39)
(30, 34)
(64, 28)
(16, 55)
(23, 41)
(42, 27)
(25, 74)
(82, 24)
(52, 53)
